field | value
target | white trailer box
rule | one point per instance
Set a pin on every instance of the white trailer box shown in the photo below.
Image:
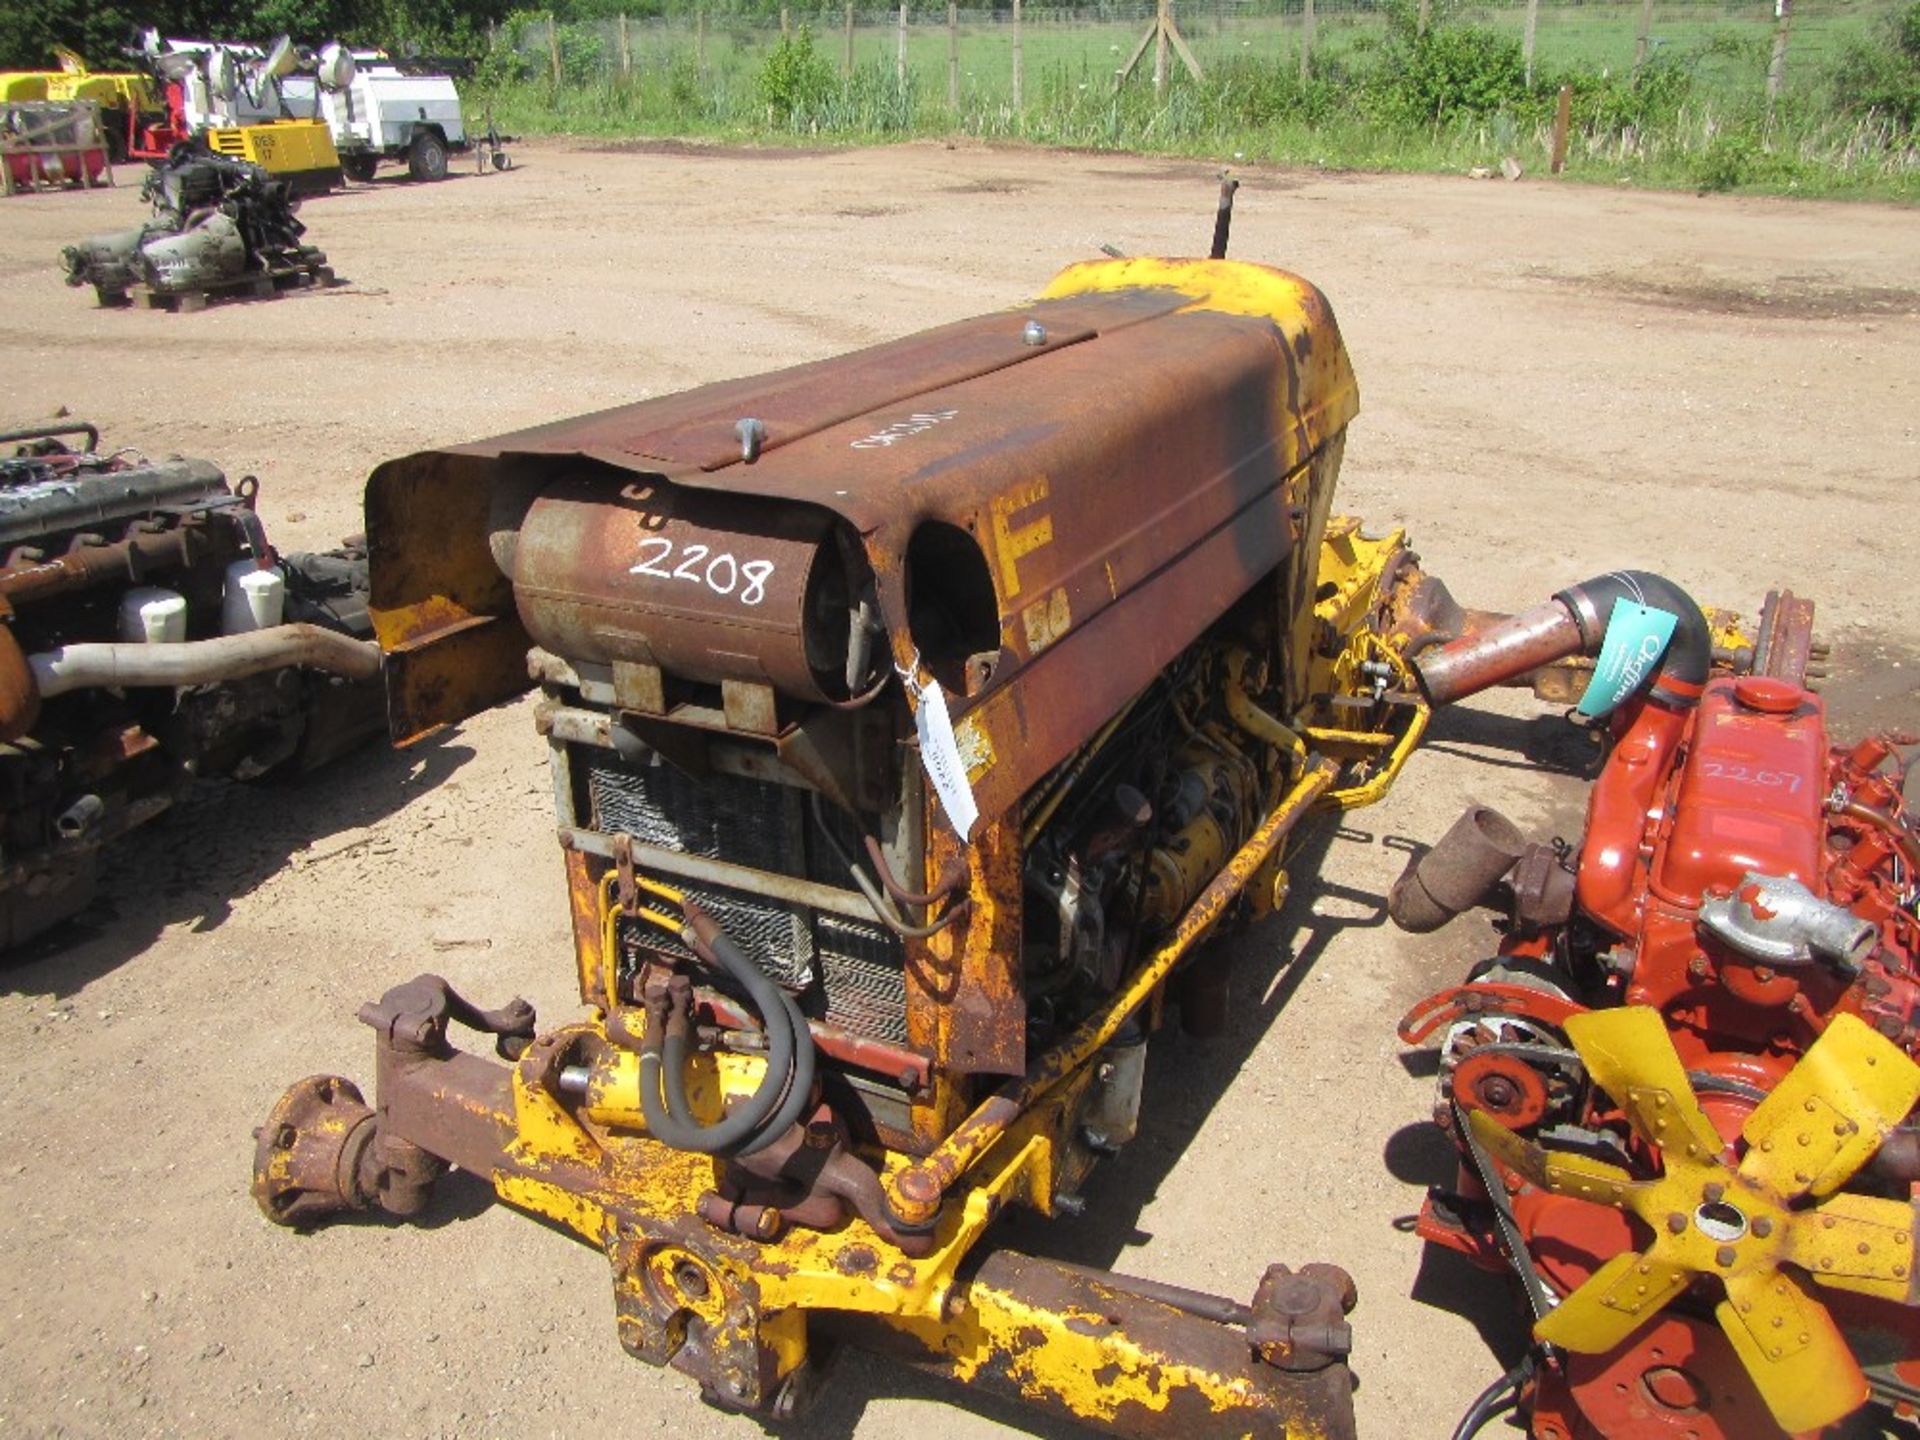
(386, 113)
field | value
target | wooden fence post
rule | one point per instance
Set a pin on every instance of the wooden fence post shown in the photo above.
(1160, 34)
(848, 67)
(626, 49)
(1426, 16)
(1306, 39)
(1019, 60)
(553, 51)
(1644, 39)
(1562, 115)
(953, 54)
(786, 21)
(1160, 53)
(1526, 39)
(900, 50)
(1777, 65)
(700, 39)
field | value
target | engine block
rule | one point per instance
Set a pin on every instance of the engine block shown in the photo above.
(913, 717)
(1681, 1086)
(114, 560)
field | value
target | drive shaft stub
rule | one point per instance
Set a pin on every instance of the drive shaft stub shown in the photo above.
(307, 1157)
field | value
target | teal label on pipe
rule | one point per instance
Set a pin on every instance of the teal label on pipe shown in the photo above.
(1636, 638)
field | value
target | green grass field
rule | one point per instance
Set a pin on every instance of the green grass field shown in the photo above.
(1587, 36)
(1714, 131)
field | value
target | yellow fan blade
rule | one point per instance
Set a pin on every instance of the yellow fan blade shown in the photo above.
(1554, 1170)
(1628, 1054)
(1799, 1360)
(1856, 1242)
(1620, 1297)
(1825, 1120)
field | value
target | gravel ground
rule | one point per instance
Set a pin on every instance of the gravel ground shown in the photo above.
(1557, 380)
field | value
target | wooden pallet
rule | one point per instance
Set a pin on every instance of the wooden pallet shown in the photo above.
(248, 287)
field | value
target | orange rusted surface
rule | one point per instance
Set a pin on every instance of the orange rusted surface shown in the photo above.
(442, 609)
(1032, 444)
(598, 970)
(966, 1004)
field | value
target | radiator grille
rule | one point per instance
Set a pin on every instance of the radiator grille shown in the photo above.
(859, 967)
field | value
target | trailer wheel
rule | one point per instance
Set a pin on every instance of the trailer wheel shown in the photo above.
(427, 157)
(359, 167)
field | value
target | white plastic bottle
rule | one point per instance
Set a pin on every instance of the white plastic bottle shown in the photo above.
(254, 599)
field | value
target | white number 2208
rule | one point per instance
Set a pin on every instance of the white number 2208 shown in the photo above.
(719, 572)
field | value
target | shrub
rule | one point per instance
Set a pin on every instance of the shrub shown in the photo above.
(1645, 99)
(796, 80)
(1879, 77)
(684, 91)
(499, 67)
(1444, 72)
(1728, 162)
(583, 53)
(1258, 92)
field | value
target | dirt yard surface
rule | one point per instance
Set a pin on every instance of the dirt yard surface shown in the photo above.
(1556, 381)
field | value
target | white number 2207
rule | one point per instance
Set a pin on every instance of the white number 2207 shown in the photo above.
(719, 572)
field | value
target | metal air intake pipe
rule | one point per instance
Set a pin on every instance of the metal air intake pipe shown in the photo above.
(1573, 622)
(203, 662)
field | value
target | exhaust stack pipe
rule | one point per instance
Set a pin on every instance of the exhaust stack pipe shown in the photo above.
(1223, 218)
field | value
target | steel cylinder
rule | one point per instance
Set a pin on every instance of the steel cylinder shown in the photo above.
(706, 587)
(1502, 652)
(1456, 874)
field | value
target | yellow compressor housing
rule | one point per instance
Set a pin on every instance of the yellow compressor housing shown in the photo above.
(300, 152)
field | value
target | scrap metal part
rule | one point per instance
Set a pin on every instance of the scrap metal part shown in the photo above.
(914, 718)
(214, 219)
(1702, 1015)
(131, 661)
(1123, 1356)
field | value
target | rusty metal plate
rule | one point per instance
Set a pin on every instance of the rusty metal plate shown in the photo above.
(442, 611)
(695, 429)
(1133, 462)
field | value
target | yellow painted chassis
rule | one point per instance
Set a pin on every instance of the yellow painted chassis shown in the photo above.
(745, 1315)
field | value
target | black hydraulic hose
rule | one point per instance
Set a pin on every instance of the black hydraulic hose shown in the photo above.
(1502, 1395)
(1688, 660)
(776, 1017)
(799, 1086)
(664, 1049)
(662, 1126)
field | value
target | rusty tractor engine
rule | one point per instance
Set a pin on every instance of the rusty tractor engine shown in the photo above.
(912, 717)
(1681, 1087)
(152, 635)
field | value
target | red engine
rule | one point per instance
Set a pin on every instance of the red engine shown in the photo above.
(1749, 884)
(1765, 886)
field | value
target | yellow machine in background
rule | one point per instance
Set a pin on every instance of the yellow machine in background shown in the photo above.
(22, 85)
(143, 121)
(127, 98)
(301, 152)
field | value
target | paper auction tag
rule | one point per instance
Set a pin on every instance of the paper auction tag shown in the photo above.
(940, 754)
(1636, 638)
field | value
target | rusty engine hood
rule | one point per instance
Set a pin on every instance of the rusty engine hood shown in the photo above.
(1133, 463)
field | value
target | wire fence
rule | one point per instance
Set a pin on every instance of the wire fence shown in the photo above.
(1733, 46)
